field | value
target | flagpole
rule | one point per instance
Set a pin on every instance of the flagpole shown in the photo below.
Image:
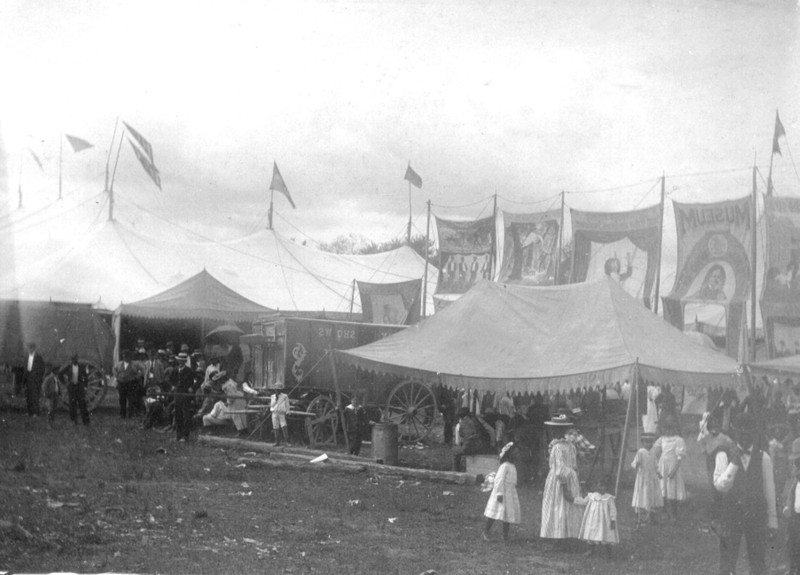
(754, 255)
(493, 254)
(769, 176)
(409, 211)
(60, 161)
(352, 299)
(427, 243)
(660, 242)
(560, 240)
(271, 200)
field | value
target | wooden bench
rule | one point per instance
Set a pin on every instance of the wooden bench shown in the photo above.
(482, 464)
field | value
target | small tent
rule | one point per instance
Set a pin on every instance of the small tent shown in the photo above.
(524, 339)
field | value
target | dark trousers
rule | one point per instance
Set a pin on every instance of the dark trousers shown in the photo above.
(127, 398)
(183, 417)
(755, 532)
(793, 543)
(355, 441)
(77, 402)
(33, 392)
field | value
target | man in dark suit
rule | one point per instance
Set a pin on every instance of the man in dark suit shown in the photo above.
(32, 378)
(183, 386)
(77, 378)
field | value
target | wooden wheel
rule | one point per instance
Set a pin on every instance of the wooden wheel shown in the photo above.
(95, 391)
(323, 425)
(412, 406)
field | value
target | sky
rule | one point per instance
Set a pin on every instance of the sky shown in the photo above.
(519, 99)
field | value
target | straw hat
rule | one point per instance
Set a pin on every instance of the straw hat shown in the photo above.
(560, 421)
(506, 448)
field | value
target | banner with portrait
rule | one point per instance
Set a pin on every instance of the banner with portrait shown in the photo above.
(620, 245)
(465, 253)
(529, 248)
(780, 296)
(392, 303)
(714, 268)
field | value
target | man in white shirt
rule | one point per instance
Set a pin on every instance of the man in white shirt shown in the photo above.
(744, 476)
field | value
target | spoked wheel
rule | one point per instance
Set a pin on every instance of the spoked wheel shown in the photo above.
(412, 406)
(95, 391)
(322, 426)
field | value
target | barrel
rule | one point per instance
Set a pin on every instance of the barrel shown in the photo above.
(384, 443)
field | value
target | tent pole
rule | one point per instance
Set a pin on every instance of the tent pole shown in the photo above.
(754, 255)
(427, 243)
(625, 430)
(660, 249)
(560, 241)
(339, 405)
(352, 298)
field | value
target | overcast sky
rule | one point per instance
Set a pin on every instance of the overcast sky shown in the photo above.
(522, 99)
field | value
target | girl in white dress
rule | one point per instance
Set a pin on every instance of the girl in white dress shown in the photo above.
(503, 504)
(646, 490)
(669, 450)
(599, 525)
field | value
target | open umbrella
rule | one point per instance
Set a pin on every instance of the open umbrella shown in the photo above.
(227, 331)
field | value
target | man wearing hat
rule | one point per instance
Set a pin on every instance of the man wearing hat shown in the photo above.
(279, 407)
(183, 386)
(127, 376)
(77, 378)
(744, 476)
(791, 510)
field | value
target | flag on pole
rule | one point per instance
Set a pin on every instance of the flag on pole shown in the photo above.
(148, 166)
(779, 132)
(413, 177)
(142, 141)
(278, 185)
(78, 144)
(36, 159)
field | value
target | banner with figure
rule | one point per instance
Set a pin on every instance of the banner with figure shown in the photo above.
(714, 267)
(780, 298)
(465, 253)
(394, 303)
(620, 245)
(528, 251)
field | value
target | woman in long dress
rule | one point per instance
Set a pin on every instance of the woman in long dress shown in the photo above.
(503, 504)
(561, 517)
(646, 490)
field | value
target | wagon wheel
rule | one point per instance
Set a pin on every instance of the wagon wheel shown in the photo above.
(323, 425)
(412, 406)
(95, 391)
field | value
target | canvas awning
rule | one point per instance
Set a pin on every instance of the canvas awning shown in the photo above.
(199, 297)
(525, 339)
(780, 366)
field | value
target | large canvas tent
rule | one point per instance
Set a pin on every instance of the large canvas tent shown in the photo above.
(527, 339)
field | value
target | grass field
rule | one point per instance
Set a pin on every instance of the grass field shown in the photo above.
(113, 497)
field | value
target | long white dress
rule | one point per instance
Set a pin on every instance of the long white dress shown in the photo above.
(560, 518)
(646, 489)
(505, 484)
(601, 510)
(670, 450)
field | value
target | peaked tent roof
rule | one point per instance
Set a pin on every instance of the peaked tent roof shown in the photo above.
(201, 296)
(523, 339)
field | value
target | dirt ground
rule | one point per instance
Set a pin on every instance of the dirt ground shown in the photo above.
(114, 497)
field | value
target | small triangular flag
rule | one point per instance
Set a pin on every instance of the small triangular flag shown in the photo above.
(78, 144)
(277, 184)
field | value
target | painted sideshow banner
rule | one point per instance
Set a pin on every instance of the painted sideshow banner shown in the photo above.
(780, 298)
(620, 245)
(530, 242)
(394, 303)
(713, 264)
(465, 253)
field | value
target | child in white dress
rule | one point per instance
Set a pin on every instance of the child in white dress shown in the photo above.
(503, 504)
(669, 450)
(646, 490)
(599, 525)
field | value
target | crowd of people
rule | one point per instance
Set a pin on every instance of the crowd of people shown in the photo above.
(751, 446)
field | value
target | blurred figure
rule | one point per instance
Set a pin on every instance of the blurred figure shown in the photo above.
(32, 378)
(77, 378)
